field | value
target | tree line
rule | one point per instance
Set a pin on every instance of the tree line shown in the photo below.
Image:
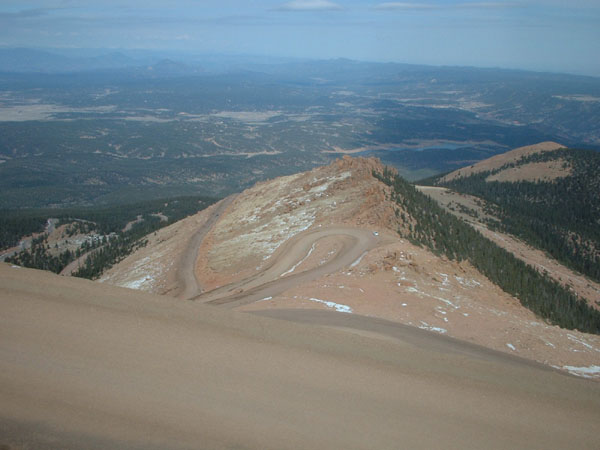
(445, 234)
(111, 244)
(561, 217)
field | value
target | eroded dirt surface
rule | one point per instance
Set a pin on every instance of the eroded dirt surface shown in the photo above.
(495, 162)
(285, 244)
(536, 171)
(409, 285)
(163, 266)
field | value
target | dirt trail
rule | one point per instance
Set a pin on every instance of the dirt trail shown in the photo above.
(293, 242)
(186, 268)
(270, 281)
(386, 329)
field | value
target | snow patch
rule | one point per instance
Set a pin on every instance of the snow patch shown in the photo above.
(579, 341)
(426, 326)
(467, 283)
(140, 283)
(445, 281)
(338, 307)
(357, 262)
(416, 291)
(585, 372)
(323, 187)
(300, 262)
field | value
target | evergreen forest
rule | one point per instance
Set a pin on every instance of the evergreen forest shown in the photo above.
(445, 234)
(561, 217)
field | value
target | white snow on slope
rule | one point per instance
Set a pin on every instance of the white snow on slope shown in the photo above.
(338, 307)
(299, 262)
(585, 372)
(426, 326)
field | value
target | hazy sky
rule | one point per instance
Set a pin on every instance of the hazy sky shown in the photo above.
(530, 34)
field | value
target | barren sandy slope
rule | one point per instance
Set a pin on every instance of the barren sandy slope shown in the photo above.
(166, 264)
(495, 162)
(327, 239)
(84, 365)
(280, 274)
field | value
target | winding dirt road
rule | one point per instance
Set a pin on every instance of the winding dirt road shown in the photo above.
(186, 269)
(277, 276)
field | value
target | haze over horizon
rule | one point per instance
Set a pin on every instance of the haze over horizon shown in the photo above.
(541, 35)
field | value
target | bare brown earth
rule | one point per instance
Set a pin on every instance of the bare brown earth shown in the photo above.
(85, 365)
(280, 274)
(535, 171)
(186, 269)
(498, 161)
(163, 265)
(327, 239)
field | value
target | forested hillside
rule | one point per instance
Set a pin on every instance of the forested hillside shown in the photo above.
(106, 235)
(560, 216)
(16, 223)
(445, 234)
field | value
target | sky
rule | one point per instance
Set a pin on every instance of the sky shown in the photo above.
(545, 35)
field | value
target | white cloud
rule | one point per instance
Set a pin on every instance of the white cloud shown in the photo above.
(403, 6)
(406, 6)
(491, 5)
(310, 5)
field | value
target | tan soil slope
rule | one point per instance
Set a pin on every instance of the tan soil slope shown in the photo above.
(262, 218)
(86, 365)
(495, 162)
(246, 230)
(159, 266)
(408, 284)
(327, 239)
(534, 171)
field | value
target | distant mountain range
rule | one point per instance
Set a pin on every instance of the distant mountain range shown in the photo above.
(24, 60)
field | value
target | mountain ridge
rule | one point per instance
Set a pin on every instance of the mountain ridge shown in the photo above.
(497, 161)
(279, 245)
(546, 196)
